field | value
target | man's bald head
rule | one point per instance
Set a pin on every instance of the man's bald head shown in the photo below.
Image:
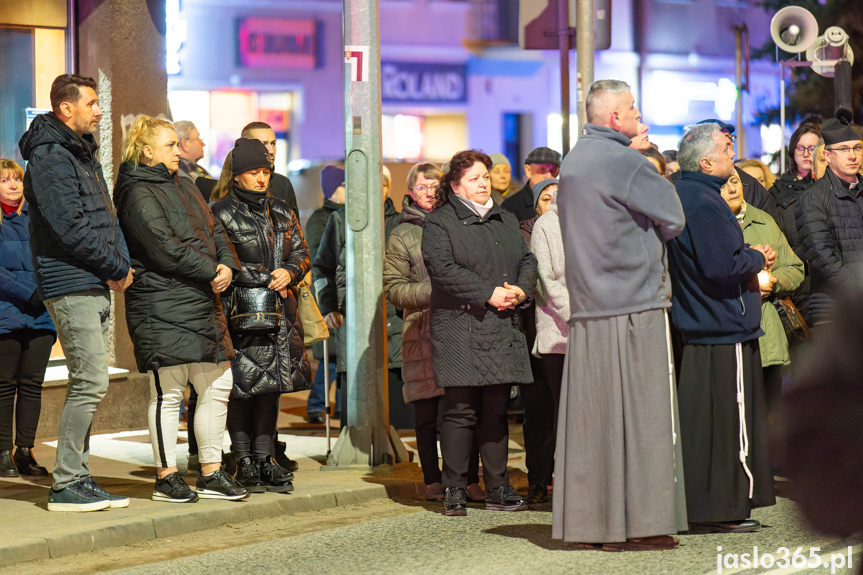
(610, 103)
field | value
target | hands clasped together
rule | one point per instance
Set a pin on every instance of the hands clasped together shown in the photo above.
(506, 297)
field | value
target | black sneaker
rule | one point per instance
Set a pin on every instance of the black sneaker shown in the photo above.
(173, 489)
(218, 485)
(504, 498)
(317, 418)
(455, 502)
(277, 480)
(117, 501)
(76, 497)
(249, 476)
(282, 458)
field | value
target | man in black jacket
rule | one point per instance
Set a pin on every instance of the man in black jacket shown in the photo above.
(830, 219)
(540, 164)
(280, 186)
(79, 253)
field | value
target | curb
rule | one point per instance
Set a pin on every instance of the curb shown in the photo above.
(177, 520)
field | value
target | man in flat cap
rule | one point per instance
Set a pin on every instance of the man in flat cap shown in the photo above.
(830, 217)
(540, 164)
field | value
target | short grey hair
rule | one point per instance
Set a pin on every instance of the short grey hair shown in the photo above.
(697, 143)
(183, 128)
(596, 102)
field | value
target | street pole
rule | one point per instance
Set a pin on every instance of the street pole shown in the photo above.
(584, 48)
(564, 45)
(368, 439)
(742, 86)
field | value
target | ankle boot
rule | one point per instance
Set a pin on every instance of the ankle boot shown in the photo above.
(26, 463)
(7, 466)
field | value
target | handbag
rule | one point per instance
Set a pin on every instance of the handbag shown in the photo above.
(793, 322)
(314, 328)
(258, 310)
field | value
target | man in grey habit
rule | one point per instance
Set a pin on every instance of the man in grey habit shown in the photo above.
(618, 473)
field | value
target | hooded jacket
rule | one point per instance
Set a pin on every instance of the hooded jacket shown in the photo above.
(174, 318)
(552, 297)
(19, 309)
(407, 285)
(76, 241)
(716, 299)
(267, 363)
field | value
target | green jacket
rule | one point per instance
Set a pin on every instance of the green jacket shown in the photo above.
(760, 228)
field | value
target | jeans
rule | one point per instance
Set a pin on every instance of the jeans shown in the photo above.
(318, 394)
(25, 355)
(81, 320)
(213, 383)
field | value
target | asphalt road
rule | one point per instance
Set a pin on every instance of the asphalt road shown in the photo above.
(418, 539)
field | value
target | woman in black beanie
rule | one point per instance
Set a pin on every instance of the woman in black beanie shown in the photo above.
(273, 255)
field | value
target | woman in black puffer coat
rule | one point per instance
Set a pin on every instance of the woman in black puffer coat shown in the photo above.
(182, 260)
(266, 365)
(481, 273)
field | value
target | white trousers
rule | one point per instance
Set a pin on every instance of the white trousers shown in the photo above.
(213, 382)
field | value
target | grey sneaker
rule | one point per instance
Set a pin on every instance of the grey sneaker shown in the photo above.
(117, 501)
(173, 489)
(455, 502)
(219, 485)
(76, 497)
(504, 498)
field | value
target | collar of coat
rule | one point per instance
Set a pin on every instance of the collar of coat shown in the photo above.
(607, 133)
(468, 216)
(712, 182)
(753, 216)
(841, 188)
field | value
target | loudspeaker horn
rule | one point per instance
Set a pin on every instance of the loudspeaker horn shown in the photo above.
(828, 50)
(793, 29)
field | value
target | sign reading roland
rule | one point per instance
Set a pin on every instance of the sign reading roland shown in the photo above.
(277, 43)
(424, 83)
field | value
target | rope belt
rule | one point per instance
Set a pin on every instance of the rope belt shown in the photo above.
(741, 411)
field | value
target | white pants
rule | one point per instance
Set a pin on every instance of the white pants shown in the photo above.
(213, 382)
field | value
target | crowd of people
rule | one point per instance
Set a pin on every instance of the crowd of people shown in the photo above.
(647, 305)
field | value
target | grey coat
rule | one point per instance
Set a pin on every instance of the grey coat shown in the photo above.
(407, 285)
(467, 256)
(616, 213)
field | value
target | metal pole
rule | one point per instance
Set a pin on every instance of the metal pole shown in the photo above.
(326, 361)
(782, 117)
(563, 44)
(584, 47)
(367, 439)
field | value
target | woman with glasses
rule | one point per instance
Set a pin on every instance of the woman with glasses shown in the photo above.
(786, 191)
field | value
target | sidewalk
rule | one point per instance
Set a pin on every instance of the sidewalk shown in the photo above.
(123, 464)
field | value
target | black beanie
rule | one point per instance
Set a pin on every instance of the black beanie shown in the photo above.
(838, 129)
(248, 155)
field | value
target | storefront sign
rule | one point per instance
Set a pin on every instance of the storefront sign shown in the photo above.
(278, 43)
(403, 82)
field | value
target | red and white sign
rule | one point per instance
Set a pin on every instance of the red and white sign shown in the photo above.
(278, 43)
(358, 59)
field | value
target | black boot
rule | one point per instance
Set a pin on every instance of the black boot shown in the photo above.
(7, 466)
(282, 458)
(278, 480)
(248, 475)
(26, 463)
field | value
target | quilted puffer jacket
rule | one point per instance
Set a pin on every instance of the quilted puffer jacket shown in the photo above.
(407, 285)
(830, 224)
(266, 363)
(174, 318)
(467, 256)
(19, 305)
(76, 241)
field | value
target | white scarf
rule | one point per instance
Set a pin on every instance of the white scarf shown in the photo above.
(479, 209)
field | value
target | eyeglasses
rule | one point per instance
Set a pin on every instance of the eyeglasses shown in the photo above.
(424, 189)
(845, 150)
(804, 149)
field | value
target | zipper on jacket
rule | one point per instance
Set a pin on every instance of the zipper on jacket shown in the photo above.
(469, 324)
(742, 303)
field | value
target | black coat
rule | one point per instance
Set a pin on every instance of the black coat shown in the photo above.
(784, 194)
(314, 231)
(282, 188)
(468, 256)
(174, 318)
(521, 203)
(267, 363)
(830, 224)
(76, 242)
